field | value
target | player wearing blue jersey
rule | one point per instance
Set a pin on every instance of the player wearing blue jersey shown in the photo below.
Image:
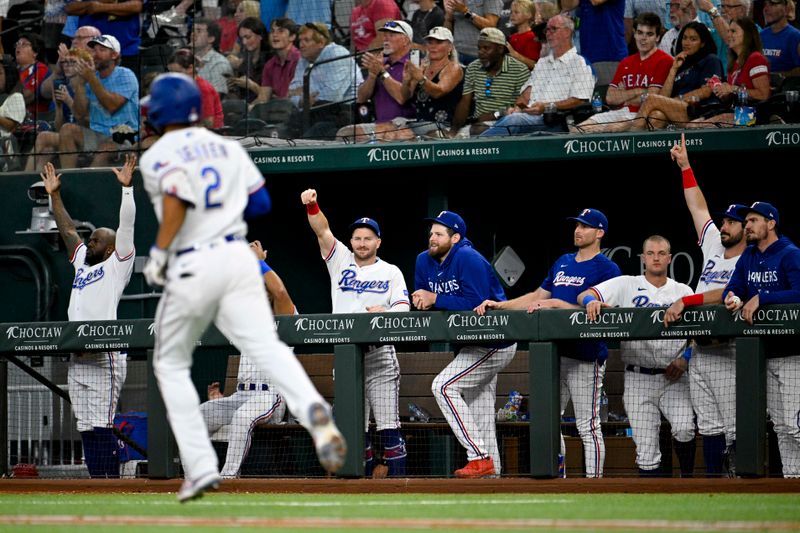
(583, 362)
(452, 275)
(768, 272)
(712, 369)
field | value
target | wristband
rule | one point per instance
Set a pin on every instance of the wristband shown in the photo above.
(588, 298)
(688, 179)
(693, 299)
(312, 208)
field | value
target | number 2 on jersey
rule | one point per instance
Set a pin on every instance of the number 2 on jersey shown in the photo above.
(210, 175)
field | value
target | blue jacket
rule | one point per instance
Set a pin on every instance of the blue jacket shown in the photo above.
(463, 281)
(774, 274)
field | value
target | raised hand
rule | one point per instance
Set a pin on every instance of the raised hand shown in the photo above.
(125, 174)
(308, 196)
(52, 181)
(679, 153)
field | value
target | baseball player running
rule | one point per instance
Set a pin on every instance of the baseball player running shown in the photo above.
(452, 275)
(769, 273)
(655, 380)
(202, 187)
(103, 268)
(712, 375)
(583, 364)
(256, 401)
(362, 282)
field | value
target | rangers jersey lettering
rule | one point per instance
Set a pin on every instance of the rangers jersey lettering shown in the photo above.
(636, 291)
(355, 288)
(717, 270)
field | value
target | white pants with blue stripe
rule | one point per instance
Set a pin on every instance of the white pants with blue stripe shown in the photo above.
(466, 392)
(95, 381)
(243, 410)
(583, 382)
(783, 406)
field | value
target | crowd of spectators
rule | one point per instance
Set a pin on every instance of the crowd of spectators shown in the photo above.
(349, 70)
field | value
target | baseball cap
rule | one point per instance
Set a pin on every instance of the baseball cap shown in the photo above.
(398, 26)
(492, 35)
(764, 209)
(733, 212)
(366, 223)
(450, 220)
(440, 33)
(109, 41)
(592, 218)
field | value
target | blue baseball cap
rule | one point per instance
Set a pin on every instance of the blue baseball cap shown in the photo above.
(764, 209)
(734, 212)
(450, 220)
(592, 218)
(366, 223)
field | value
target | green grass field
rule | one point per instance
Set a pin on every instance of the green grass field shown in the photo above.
(51, 513)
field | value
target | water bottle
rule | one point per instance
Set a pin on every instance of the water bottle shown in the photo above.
(418, 413)
(597, 103)
(743, 114)
(562, 466)
(603, 407)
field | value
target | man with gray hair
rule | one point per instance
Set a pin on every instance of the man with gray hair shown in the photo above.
(681, 12)
(560, 81)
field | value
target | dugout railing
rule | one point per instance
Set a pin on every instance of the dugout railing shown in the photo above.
(349, 333)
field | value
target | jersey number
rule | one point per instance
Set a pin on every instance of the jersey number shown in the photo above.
(211, 175)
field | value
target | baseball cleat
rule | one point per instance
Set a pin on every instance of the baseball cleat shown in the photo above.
(477, 468)
(328, 441)
(191, 490)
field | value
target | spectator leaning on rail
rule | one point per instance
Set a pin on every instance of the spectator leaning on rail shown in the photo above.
(560, 81)
(491, 84)
(637, 76)
(768, 272)
(384, 82)
(211, 65)
(110, 98)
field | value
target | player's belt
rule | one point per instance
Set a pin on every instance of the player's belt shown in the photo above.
(252, 386)
(210, 244)
(645, 370)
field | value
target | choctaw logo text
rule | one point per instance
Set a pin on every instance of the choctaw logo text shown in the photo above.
(404, 322)
(33, 332)
(599, 146)
(400, 328)
(324, 330)
(461, 321)
(97, 330)
(780, 138)
(690, 319)
(579, 318)
(376, 155)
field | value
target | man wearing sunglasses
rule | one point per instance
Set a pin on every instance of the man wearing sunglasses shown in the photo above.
(492, 82)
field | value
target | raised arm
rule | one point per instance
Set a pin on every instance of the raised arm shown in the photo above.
(318, 222)
(695, 200)
(64, 223)
(127, 208)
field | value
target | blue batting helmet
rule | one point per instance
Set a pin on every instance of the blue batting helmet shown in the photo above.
(174, 99)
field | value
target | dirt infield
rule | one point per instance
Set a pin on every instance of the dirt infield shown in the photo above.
(418, 485)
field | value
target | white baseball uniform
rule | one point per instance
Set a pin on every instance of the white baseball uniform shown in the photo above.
(353, 289)
(212, 276)
(95, 379)
(256, 401)
(647, 391)
(712, 379)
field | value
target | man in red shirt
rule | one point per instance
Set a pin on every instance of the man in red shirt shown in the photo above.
(183, 61)
(366, 17)
(637, 76)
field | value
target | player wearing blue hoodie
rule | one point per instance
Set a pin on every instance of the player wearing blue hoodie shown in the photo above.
(768, 272)
(451, 275)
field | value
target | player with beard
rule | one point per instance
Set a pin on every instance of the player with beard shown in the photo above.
(361, 282)
(103, 268)
(769, 273)
(582, 362)
(712, 376)
(451, 275)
